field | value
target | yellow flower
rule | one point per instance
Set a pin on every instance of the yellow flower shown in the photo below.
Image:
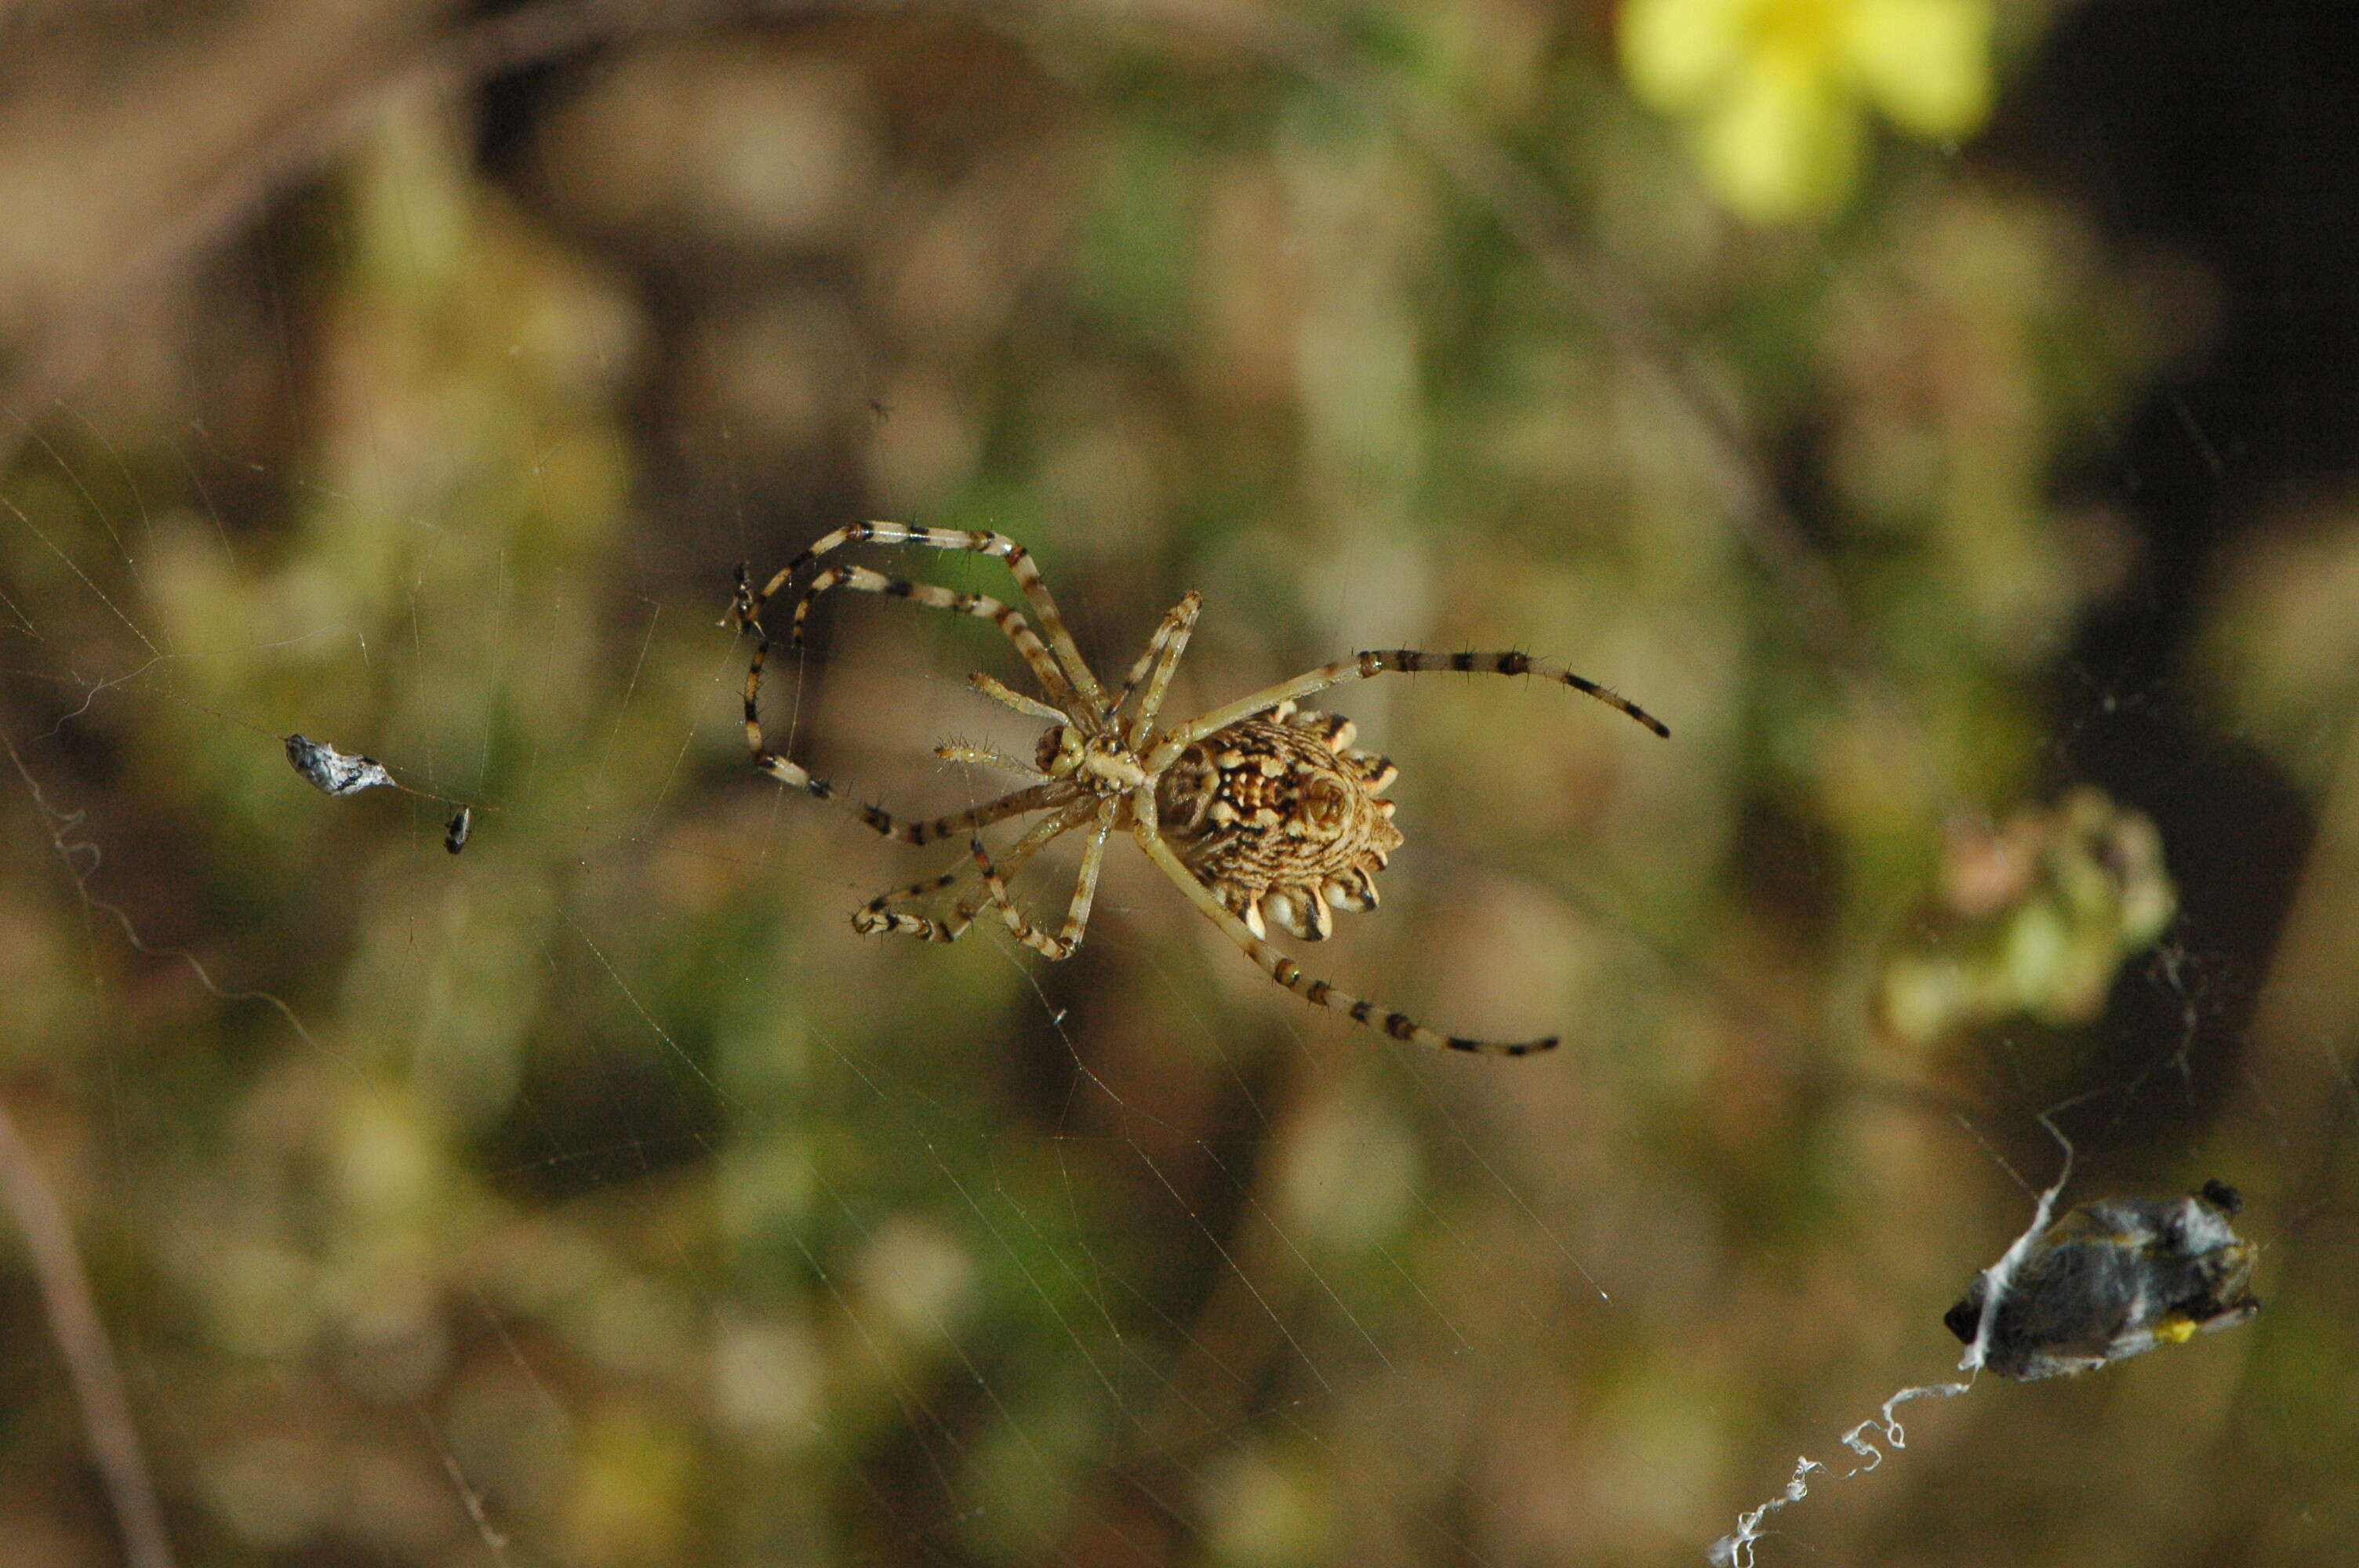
(1774, 90)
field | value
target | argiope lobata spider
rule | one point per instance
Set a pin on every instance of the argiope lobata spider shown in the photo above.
(1260, 810)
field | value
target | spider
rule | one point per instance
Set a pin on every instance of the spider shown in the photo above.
(1261, 810)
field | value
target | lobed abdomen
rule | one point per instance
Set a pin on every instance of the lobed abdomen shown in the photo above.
(1281, 817)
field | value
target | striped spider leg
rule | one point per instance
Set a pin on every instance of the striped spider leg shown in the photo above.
(1287, 973)
(876, 917)
(1162, 656)
(1085, 887)
(1058, 665)
(1065, 677)
(1401, 661)
(1260, 810)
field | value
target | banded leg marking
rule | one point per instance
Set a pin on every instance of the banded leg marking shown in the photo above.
(746, 610)
(933, 596)
(1077, 914)
(1039, 797)
(875, 918)
(1319, 993)
(1162, 655)
(1020, 566)
(1397, 661)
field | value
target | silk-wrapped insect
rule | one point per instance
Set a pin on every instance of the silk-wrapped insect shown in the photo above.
(2112, 1278)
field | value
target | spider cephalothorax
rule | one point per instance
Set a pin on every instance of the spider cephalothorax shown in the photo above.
(1259, 811)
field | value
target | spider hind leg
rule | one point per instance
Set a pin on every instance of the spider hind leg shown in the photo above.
(1287, 973)
(879, 918)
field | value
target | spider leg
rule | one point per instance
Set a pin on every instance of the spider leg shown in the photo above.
(1286, 972)
(1376, 661)
(876, 918)
(1163, 651)
(983, 607)
(1077, 915)
(746, 610)
(1154, 645)
(1020, 566)
(1038, 798)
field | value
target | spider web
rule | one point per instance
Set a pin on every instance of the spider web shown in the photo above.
(594, 1195)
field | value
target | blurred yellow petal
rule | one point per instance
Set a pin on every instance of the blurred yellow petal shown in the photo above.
(1784, 144)
(1676, 52)
(1926, 63)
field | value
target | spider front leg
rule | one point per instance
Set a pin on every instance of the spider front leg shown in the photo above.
(1287, 973)
(1020, 566)
(1038, 798)
(1162, 655)
(1389, 661)
(981, 607)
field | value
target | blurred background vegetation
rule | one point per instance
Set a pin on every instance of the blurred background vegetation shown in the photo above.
(1939, 410)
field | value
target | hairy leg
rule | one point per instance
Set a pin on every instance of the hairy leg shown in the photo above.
(983, 756)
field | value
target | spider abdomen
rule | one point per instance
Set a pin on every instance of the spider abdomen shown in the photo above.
(1282, 818)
